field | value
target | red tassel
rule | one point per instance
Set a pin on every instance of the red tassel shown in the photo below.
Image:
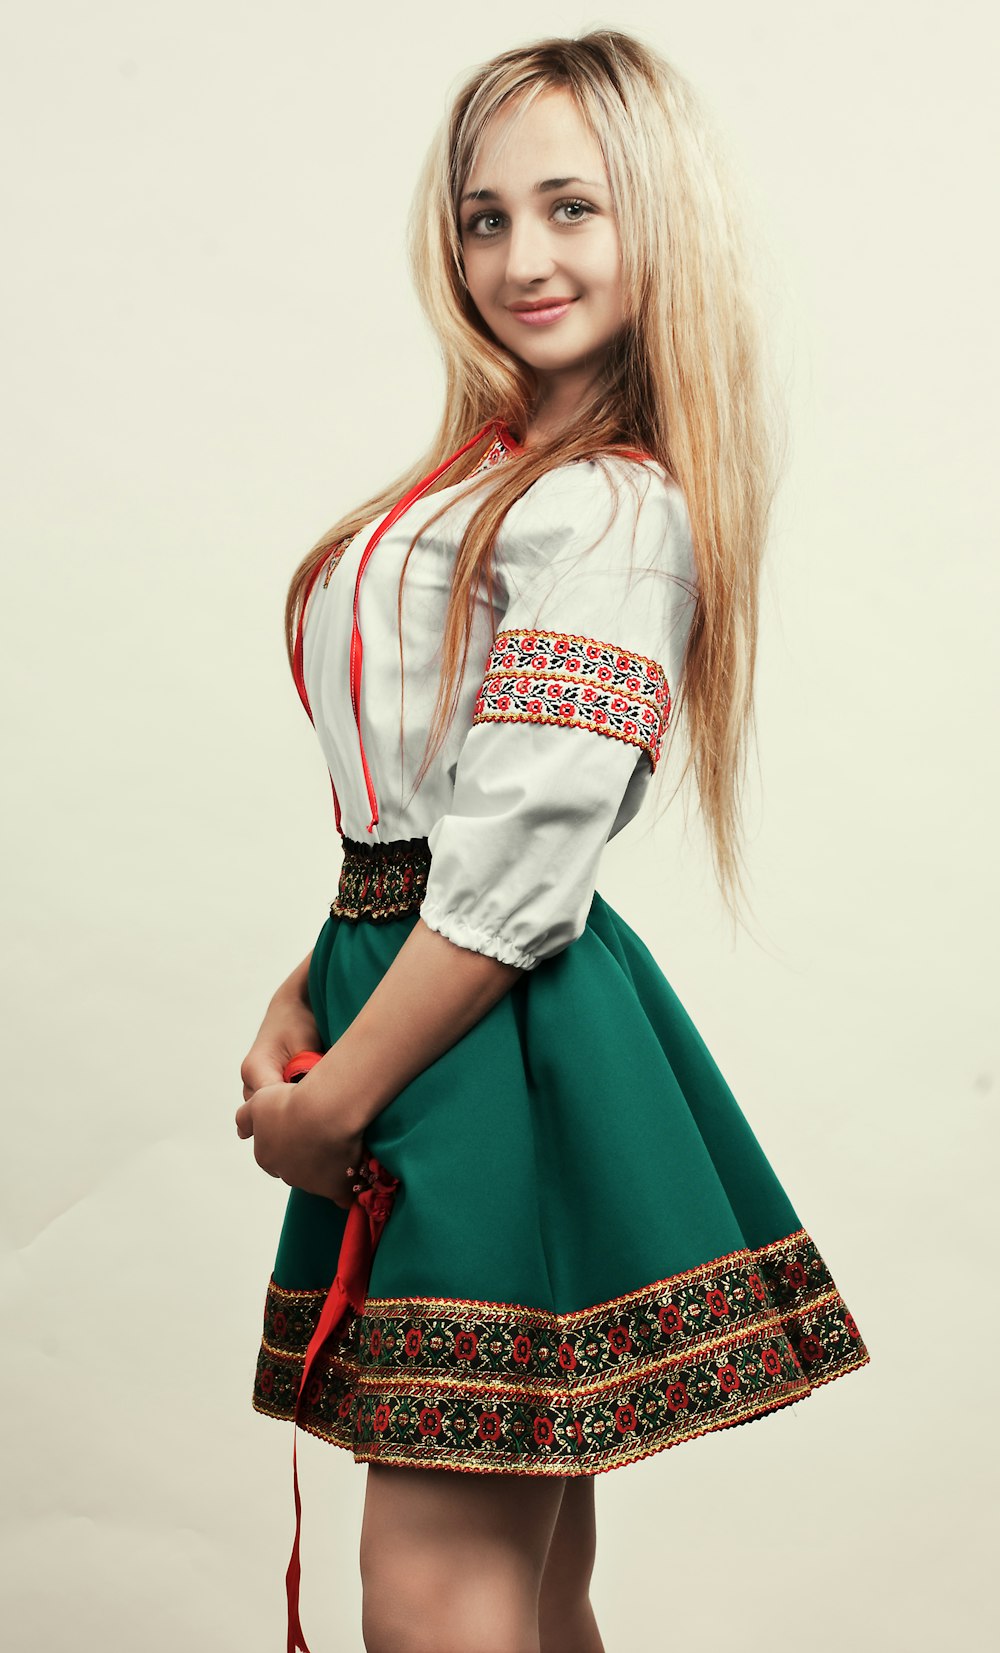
(347, 1295)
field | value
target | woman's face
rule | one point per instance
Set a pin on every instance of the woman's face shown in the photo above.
(540, 242)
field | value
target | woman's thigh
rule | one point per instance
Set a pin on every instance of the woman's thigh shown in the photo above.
(454, 1560)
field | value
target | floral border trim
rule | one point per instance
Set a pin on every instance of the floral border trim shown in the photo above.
(494, 455)
(382, 880)
(336, 554)
(581, 682)
(469, 1385)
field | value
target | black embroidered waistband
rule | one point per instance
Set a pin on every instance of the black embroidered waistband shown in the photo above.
(379, 881)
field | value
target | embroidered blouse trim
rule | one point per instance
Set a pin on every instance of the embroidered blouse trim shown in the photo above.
(581, 682)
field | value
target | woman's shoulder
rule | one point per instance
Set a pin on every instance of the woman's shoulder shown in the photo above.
(631, 507)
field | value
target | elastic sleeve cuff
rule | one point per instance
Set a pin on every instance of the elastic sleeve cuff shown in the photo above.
(458, 929)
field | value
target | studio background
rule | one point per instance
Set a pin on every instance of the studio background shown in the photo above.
(211, 349)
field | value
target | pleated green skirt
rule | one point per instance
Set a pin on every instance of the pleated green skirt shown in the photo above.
(589, 1257)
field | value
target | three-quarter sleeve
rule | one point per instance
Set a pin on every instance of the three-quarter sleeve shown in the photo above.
(595, 564)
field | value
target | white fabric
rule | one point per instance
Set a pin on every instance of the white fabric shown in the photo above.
(516, 813)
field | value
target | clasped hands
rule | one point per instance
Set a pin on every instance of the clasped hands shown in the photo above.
(297, 1137)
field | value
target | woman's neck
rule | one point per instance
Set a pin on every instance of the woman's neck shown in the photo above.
(558, 402)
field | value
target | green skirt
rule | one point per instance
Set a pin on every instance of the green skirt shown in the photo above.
(589, 1257)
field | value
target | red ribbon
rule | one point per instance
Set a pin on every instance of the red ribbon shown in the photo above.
(365, 1221)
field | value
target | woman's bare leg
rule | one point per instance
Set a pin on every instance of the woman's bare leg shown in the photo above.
(452, 1562)
(565, 1617)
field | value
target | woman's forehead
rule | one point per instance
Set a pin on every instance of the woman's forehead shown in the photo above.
(547, 135)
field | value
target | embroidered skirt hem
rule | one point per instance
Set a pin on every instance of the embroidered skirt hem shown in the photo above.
(494, 1387)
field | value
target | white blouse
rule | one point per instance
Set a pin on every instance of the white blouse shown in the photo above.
(561, 717)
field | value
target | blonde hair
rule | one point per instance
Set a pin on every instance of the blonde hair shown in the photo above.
(686, 381)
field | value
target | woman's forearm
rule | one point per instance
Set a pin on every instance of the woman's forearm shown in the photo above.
(295, 986)
(431, 994)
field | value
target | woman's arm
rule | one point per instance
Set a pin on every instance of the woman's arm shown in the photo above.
(311, 1133)
(288, 1027)
(431, 994)
(296, 986)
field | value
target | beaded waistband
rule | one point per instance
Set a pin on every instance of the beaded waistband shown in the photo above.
(379, 881)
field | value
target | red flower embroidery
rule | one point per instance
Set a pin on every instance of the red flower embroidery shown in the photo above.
(567, 1359)
(756, 1285)
(266, 1380)
(619, 1339)
(429, 1422)
(465, 1344)
(412, 1340)
(544, 1432)
(716, 1301)
(850, 1325)
(729, 1378)
(375, 1341)
(489, 1426)
(608, 684)
(772, 1361)
(346, 1405)
(670, 1318)
(314, 1391)
(810, 1348)
(624, 1419)
(795, 1274)
(381, 1418)
(522, 1349)
(677, 1396)
(279, 1323)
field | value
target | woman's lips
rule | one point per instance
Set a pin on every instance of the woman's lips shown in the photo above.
(542, 318)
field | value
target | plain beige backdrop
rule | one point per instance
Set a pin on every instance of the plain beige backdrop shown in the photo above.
(211, 349)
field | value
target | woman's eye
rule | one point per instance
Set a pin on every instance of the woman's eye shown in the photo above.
(579, 209)
(472, 227)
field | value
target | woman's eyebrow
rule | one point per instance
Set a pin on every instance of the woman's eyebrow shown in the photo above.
(538, 189)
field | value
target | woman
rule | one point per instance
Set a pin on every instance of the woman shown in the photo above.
(589, 1258)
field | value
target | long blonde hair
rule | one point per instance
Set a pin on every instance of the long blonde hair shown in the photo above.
(686, 381)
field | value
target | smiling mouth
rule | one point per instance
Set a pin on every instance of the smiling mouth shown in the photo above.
(547, 310)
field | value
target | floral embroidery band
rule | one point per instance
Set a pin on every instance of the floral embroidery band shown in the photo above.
(553, 677)
(335, 556)
(379, 881)
(495, 1386)
(493, 456)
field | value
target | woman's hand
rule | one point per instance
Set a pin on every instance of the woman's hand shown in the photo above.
(288, 1027)
(296, 1138)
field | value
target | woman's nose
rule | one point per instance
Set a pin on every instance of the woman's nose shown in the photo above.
(529, 251)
